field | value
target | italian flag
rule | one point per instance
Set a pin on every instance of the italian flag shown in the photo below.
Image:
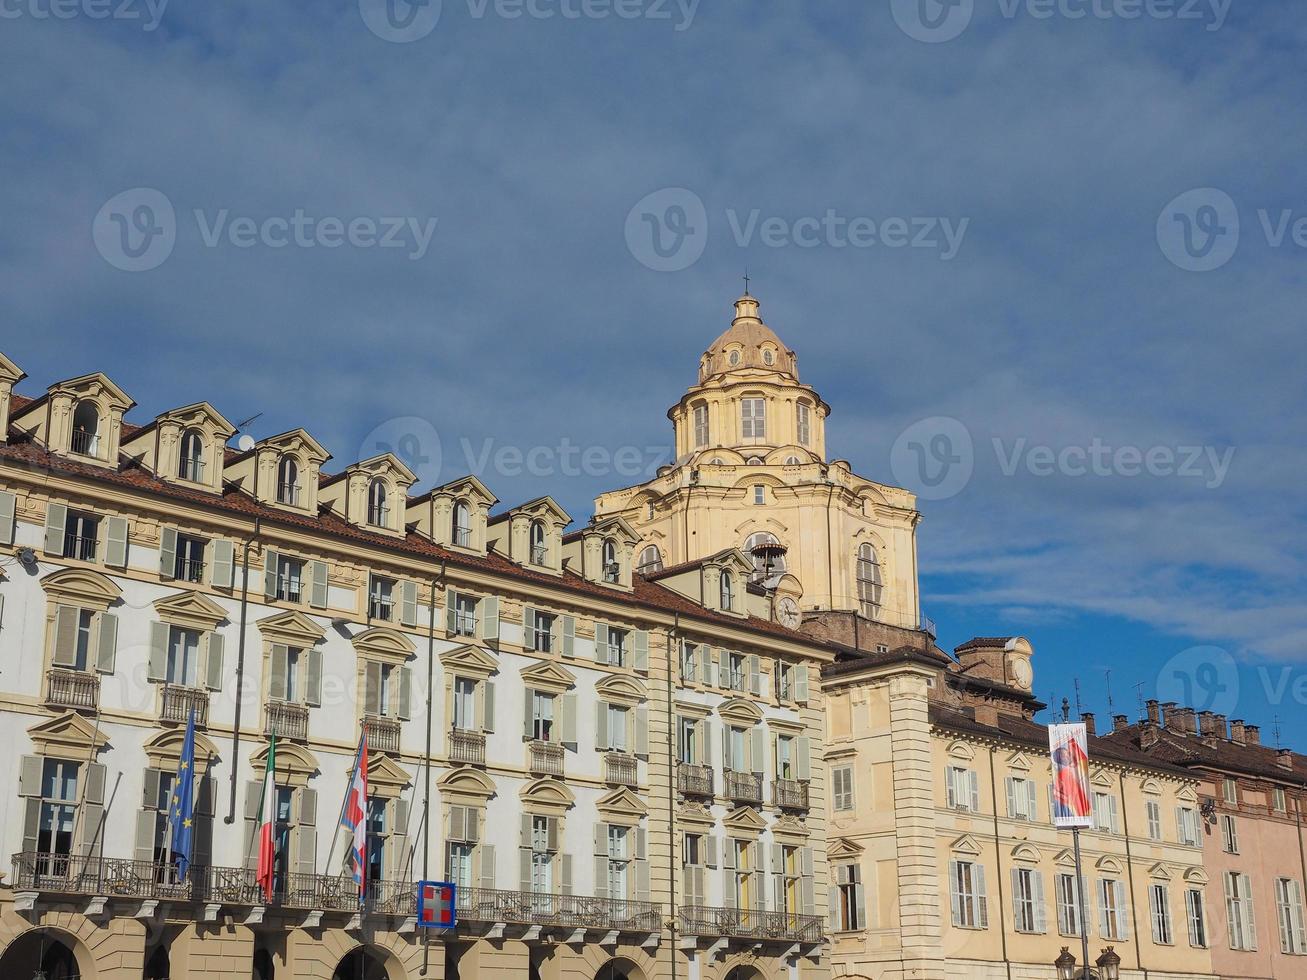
(267, 814)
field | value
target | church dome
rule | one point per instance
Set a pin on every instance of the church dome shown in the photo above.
(748, 344)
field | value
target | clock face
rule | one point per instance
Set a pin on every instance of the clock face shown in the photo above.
(1022, 673)
(787, 611)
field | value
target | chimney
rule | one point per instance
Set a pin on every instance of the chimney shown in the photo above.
(1210, 724)
(1222, 727)
(1181, 720)
(1284, 758)
(1168, 714)
(1120, 722)
(1154, 712)
(1090, 726)
(1149, 735)
(1237, 732)
(1252, 734)
(987, 715)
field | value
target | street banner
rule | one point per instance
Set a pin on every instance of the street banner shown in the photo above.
(1072, 806)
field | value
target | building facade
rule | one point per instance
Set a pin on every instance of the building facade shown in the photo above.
(623, 777)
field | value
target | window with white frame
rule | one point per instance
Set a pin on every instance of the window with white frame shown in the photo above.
(465, 615)
(183, 656)
(970, 904)
(539, 546)
(1159, 912)
(850, 913)
(1239, 910)
(290, 578)
(870, 587)
(58, 809)
(727, 597)
(1028, 900)
(804, 425)
(1230, 791)
(616, 724)
(1153, 811)
(1105, 813)
(1196, 913)
(288, 480)
(542, 716)
(737, 740)
(753, 418)
(618, 859)
(86, 429)
(687, 742)
(542, 879)
(378, 503)
(83, 638)
(461, 524)
(963, 789)
(1021, 795)
(465, 704)
(617, 646)
(1278, 800)
(612, 570)
(842, 787)
(542, 632)
(700, 426)
(1112, 909)
(1229, 834)
(190, 465)
(81, 535)
(381, 598)
(651, 560)
(743, 872)
(737, 673)
(188, 565)
(1067, 889)
(759, 495)
(1288, 907)
(689, 662)
(1186, 825)
(785, 760)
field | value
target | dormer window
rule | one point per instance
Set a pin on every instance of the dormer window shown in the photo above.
(461, 529)
(86, 429)
(378, 504)
(191, 465)
(612, 571)
(288, 481)
(651, 560)
(539, 550)
(727, 590)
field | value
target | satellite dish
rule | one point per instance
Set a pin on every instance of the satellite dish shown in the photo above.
(245, 443)
(27, 558)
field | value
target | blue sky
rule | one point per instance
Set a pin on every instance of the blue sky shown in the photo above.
(1068, 155)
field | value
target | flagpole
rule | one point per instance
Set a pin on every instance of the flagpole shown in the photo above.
(340, 819)
(1084, 910)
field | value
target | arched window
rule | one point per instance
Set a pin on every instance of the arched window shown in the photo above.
(612, 571)
(761, 571)
(191, 466)
(754, 460)
(461, 524)
(288, 480)
(791, 460)
(539, 550)
(378, 504)
(651, 560)
(86, 429)
(728, 590)
(803, 423)
(700, 426)
(869, 580)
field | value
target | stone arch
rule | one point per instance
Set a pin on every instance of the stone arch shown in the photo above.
(121, 944)
(599, 964)
(56, 954)
(319, 957)
(747, 966)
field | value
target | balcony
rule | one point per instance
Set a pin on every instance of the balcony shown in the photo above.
(381, 608)
(545, 758)
(290, 721)
(78, 689)
(621, 769)
(79, 547)
(188, 570)
(754, 924)
(566, 911)
(288, 493)
(382, 733)
(694, 780)
(790, 794)
(86, 443)
(744, 787)
(178, 702)
(467, 748)
(192, 468)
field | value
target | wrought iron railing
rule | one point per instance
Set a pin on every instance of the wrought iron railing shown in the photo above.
(79, 547)
(792, 794)
(192, 469)
(86, 443)
(89, 875)
(72, 688)
(467, 748)
(288, 719)
(188, 570)
(569, 911)
(743, 787)
(382, 733)
(288, 493)
(382, 609)
(546, 758)
(621, 769)
(178, 702)
(463, 536)
(694, 780)
(758, 924)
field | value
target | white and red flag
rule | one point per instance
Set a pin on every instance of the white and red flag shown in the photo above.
(354, 816)
(1072, 807)
(267, 821)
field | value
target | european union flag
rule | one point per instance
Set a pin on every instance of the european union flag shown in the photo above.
(181, 805)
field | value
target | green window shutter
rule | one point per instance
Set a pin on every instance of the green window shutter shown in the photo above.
(29, 776)
(270, 562)
(490, 618)
(318, 592)
(31, 825)
(642, 731)
(306, 849)
(56, 520)
(757, 750)
(803, 765)
(95, 777)
(224, 562)
(65, 635)
(7, 509)
(524, 866)
(307, 809)
(601, 726)
(528, 627)
(527, 728)
(801, 683)
(601, 861)
(92, 828)
(405, 693)
(709, 851)
(167, 552)
(157, 666)
(144, 844)
(567, 723)
(601, 643)
(642, 880)
(313, 689)
(487, 866)
(115, 552)
(277, 672)
(704, 655)
(641, 656)
(408, 606)
(150, 789)
(451, 611)
(372, 688)
(755, 675)
(806, 869)
(487, 706)
(106, 643)
(213, 663)
(705, 742)
(565, 874)
(569, 636)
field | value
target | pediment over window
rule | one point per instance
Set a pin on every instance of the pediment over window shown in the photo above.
(961, 750)
(191, 610)
(291, 627)
(1026, 854)
(1195, 876)
(619, 689)
(297, 441)
(740, 711)
(96, 385)
(470, 487)
(295, 764)
(1065, 858)
(386, 775)
(469, 661)
(82, 586)
(68, 733)
(1151, 787)
(1109, 865)
(164, 750)
(697, 815)
(790, 826)
(966, 844)
(1020, 762)
(547, 795)
(386, 644)
(745, 818)
(843, 849)
(621, 802)
(1187, 795)
(547, 676)
(466, 786)
(1102, 779)
(1160, 872)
